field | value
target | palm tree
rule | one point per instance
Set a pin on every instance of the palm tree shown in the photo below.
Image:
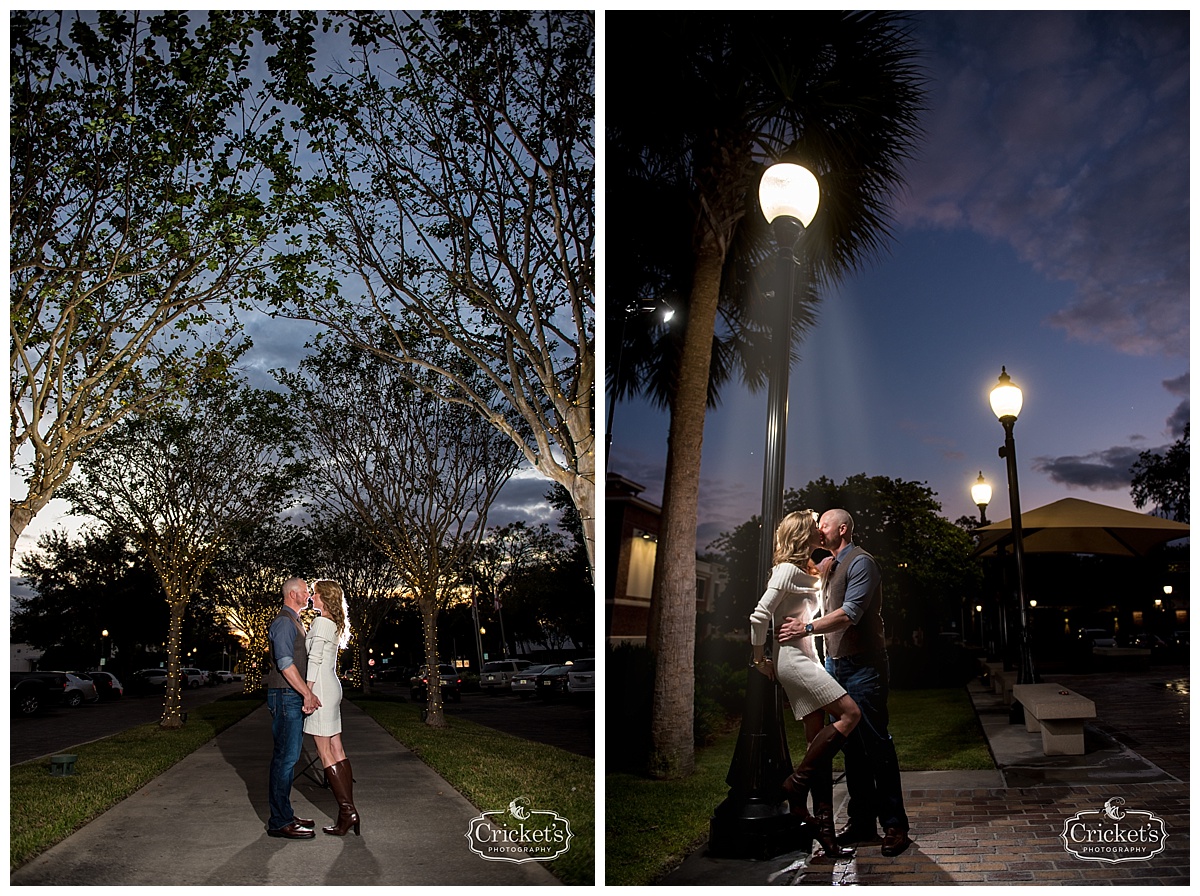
(714, 98)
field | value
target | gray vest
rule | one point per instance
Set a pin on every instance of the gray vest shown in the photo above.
(867, 633)
(274, 678)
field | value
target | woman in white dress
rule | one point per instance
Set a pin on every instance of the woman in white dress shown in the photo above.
(326, 634)
(794, 590)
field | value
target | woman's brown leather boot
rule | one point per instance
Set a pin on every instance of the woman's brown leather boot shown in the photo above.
(821, 751)
(341, 782)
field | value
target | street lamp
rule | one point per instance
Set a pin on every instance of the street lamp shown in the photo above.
(103, 648)
(981, 494)
(752, 822)
(632, 309)
(1006, 404)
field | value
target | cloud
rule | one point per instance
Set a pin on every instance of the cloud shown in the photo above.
(1179, 419)
(1065, 135)
(1181, 385)
(1106, 470)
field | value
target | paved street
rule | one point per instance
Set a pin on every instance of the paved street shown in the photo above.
(566, 724)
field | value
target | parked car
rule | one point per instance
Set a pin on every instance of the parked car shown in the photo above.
(524, 683)
(497, 675)
(1096, 637)
(191, 678)
(224, 676)
(1180, 638)
(1144, 640)
(107, 685)
(81, 690)
(418, 685)
(33, 691)
(145, 681)
(552, 682)
(581, 678)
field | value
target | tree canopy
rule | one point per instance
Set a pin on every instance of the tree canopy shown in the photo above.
(143, 187)
(1164, 480)
(454, 185)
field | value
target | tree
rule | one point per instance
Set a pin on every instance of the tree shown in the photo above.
(1164, 480)
(181, 482)
(84, 585)
(139, 204)
(456, 183)
(924, 557)
(341, 550)
(418, 472)
(717, 96)
(247, 578)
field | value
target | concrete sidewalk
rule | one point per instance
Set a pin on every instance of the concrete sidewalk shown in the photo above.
(203, 822)
(1003, 826)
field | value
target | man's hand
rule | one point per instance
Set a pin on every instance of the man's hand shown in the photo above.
(791, 629)
(311, 703)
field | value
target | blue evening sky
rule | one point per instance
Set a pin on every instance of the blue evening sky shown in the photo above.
(1044, 228)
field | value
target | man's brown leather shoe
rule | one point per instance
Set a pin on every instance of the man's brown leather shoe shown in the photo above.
(303, 822)
(853, 834)
(895, 841)
(292, 831)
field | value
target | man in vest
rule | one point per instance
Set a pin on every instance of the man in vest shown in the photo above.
(288, 699)
(856, 655)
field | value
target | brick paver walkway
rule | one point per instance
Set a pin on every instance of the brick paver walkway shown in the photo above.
(1011, 835)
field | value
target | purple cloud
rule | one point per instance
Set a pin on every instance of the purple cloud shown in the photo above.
(1066, 136)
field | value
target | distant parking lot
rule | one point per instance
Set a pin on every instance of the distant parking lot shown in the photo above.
(566, 724)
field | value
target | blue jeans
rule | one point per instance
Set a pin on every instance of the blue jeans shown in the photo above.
(872, 770)
(287, 728)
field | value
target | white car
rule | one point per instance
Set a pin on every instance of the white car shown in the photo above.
(524, 683)
(581, 678)
(191, 678)
(81, 689)
(497, 675)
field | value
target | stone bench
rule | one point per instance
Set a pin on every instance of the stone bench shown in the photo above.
(991, 671)
(1059, 713)
(1002, 684)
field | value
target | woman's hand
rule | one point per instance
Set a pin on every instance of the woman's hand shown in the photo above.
(765, 666)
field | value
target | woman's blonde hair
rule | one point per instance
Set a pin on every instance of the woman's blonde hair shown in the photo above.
(792, 536)
(335, 604)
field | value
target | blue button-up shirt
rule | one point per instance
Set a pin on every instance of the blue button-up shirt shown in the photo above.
(862, 578)
(282, 635)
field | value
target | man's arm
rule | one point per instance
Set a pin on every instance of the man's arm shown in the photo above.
(830, 622)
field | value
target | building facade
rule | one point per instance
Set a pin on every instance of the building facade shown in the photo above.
(631, 544)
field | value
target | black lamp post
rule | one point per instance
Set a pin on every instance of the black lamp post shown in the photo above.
(753, 822)
(1006, 404)
(981, 494)
(641, 306)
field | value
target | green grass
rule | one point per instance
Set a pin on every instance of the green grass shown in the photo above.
(653, 825)
(45, 809)
(491, 768)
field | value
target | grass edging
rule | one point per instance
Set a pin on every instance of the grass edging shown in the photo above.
(491, 768)
(45, 810)
(652, 826)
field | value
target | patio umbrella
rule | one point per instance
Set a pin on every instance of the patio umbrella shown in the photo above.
(1073, 526)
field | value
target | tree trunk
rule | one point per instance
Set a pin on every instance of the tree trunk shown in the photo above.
(434, 718)
(673, 607)
(173, 703)
(364, 671)
(20, 515)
